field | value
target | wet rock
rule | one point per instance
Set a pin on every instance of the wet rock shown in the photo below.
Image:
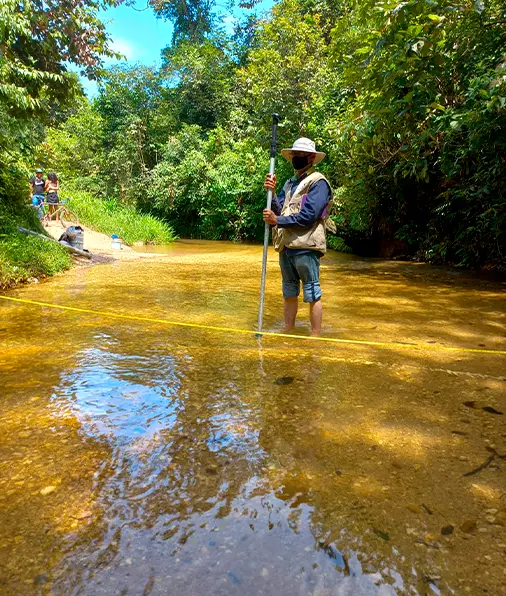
(338, 472)
(414, 508)
(284, 380)
(447, 530)
(431, 537)
(470, 404)
(264, 573)
(468, 526)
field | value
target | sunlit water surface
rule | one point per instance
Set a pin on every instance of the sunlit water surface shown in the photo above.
(140, 458)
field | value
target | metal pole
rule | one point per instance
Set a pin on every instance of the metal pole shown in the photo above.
(275, 120)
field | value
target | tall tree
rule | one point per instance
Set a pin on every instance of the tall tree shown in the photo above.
(38, 40)
(192, 19)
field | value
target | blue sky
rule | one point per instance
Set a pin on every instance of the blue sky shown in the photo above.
(140, 37)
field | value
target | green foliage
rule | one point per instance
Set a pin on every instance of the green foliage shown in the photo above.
(285, 73)
(408, 100)
(338, 244)
(203, 76)
(75, 149)
(211, 187)
(192, 19)
(25, 257)
(421, 133)
(135, 120)
(37, 40)
(110, 217)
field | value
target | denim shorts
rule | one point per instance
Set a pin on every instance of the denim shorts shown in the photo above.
(301, 267)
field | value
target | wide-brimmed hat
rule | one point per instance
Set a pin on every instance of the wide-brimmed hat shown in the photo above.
(306, 145)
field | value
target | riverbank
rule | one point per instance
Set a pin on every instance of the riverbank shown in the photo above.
(26, 259)
(100, 246)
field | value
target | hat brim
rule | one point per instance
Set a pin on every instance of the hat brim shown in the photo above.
(287, 154)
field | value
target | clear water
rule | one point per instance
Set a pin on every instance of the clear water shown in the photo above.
(138, 458)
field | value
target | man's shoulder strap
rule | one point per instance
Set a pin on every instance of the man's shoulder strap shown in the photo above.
(310, 180)
(315, 177)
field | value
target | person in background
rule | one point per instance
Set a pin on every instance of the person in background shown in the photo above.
(52, 187)
(37, 185)
(299, 216)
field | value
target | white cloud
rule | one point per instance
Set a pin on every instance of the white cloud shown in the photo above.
(125, 48)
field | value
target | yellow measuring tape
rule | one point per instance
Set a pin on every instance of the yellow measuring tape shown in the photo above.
(361, 342)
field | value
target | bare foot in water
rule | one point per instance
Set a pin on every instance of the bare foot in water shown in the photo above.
(287, 330)
(315, 333)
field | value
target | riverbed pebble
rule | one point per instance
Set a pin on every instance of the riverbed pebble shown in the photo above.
(468, 526)
(47, 490)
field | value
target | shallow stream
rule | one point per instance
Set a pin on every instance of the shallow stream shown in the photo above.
(143, 458)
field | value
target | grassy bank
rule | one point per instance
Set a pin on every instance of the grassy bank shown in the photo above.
(23, 258)
(110, 217)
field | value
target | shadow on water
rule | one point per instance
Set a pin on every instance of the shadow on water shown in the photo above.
(140, 459)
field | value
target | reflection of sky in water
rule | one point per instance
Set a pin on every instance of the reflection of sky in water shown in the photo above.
(122, 397)
(170, 512)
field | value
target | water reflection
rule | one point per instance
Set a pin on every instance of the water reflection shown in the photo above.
(189, 462)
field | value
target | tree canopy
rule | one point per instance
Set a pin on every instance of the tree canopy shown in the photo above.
(408, 100)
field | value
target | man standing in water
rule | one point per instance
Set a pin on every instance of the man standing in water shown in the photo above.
(299, 215)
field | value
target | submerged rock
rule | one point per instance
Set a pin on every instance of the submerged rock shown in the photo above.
(491, 410)
(468, 526)
(284, 380)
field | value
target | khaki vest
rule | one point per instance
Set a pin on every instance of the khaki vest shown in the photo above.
(312, 238)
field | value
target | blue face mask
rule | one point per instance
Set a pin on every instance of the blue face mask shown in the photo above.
(299, 162)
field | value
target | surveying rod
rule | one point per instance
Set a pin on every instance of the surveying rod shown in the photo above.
(275, 120)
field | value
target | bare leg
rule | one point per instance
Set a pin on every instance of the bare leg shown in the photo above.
(290, 308)
(315, 315)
